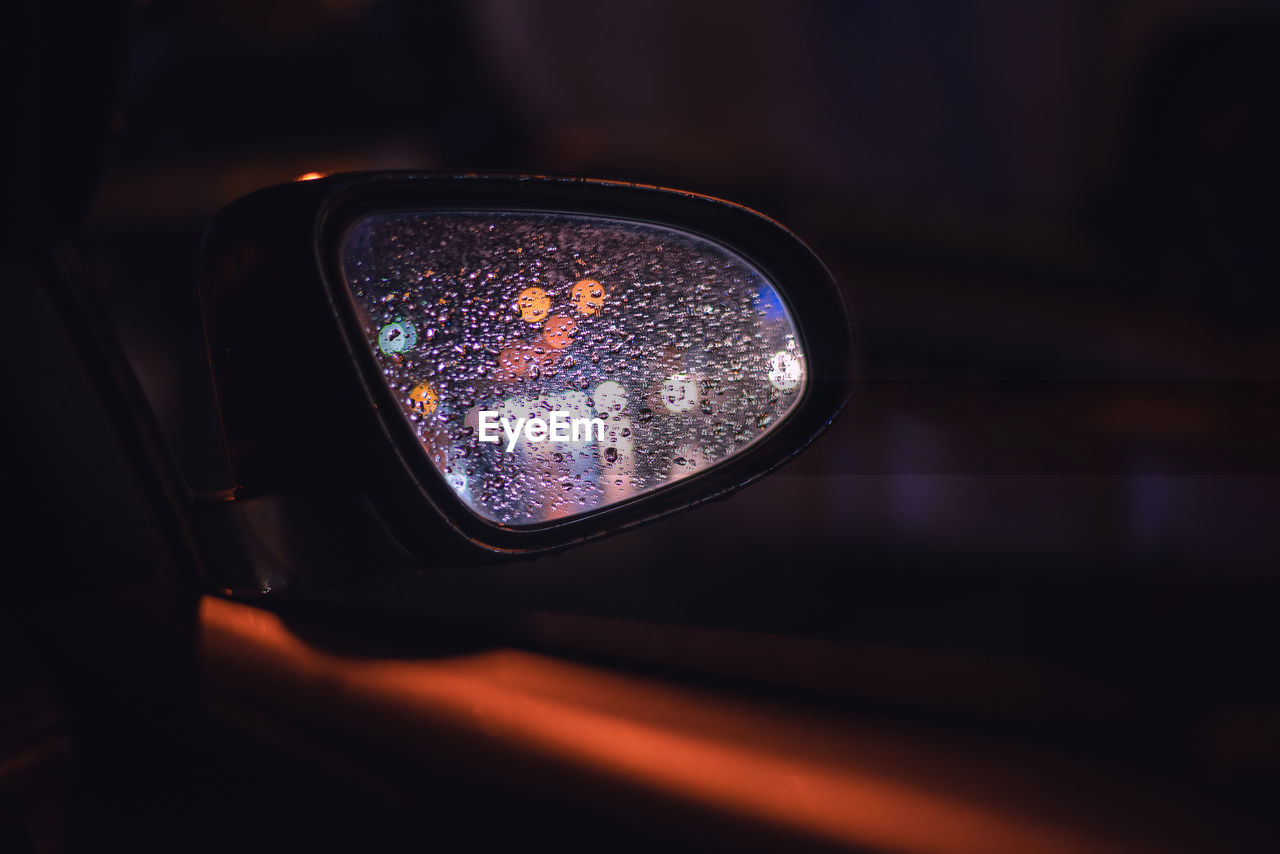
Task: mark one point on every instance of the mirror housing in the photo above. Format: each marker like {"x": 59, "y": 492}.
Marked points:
{"x": 308, "y": 390}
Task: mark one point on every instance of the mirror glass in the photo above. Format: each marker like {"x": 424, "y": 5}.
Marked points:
{"x": 555, "y": 364}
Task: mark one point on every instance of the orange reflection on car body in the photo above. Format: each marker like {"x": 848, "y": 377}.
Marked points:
{"x": 627, "y": 743}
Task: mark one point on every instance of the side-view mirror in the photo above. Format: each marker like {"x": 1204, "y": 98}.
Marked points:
{"x": 511, "y": 364}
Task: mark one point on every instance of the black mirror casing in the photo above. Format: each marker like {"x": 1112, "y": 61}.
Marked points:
{"x": 284, "y": 340}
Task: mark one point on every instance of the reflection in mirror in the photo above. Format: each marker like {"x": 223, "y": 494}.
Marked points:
{"x": 554, "y": 364}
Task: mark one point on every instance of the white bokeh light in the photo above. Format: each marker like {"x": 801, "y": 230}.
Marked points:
{"x": 786, "y": 370}
{"x": 680, "y": 393}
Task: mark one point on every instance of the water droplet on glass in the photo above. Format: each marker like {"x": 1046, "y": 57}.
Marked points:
{"x": 653, "y": 305}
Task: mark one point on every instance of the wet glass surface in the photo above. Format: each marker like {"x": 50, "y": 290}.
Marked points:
{"x": 553, "y": 364}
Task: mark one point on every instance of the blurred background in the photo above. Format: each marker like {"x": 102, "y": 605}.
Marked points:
{"x": 1052, "y": 504}
{"x": 1053, "y": 225}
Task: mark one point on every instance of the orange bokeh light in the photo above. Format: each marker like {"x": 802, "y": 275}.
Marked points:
{"x": 588, "y": 296}
{"x": 515, "y": 360}
{"x": 534, "y": 305}
{"x": 425, "y": 399}
{"x": 559, "y": 332}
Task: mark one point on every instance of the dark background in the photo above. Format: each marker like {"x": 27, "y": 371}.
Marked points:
{"x": 1055, "y": 228}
